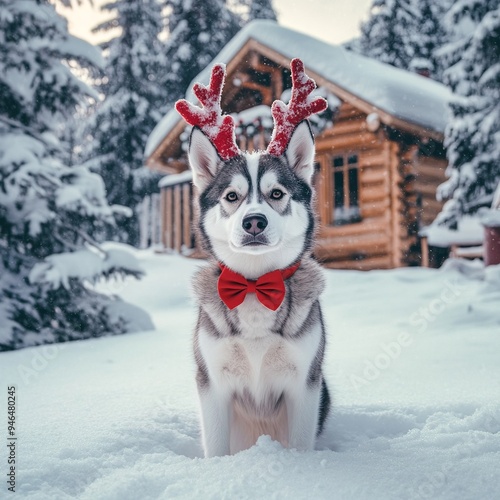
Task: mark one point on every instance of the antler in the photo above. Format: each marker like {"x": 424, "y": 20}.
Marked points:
{"x": 287, "y": 116}
{"x": 219, "y": 129}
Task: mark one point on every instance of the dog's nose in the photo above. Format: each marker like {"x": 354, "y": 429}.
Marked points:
{"x": 254, "y": 224}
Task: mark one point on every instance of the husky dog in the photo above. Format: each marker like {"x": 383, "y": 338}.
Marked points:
{"x": 258, "y": 353}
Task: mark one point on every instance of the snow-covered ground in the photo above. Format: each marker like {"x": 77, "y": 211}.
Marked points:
{"x": 413, "y": 364}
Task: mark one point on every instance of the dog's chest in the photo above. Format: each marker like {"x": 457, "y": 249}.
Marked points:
{"x": 253, "y": 363}
{"x": 258, "y": 356}
{"x": 255, "y": 320}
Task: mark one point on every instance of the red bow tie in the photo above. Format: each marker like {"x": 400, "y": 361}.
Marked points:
{"x": 269, "y": 288}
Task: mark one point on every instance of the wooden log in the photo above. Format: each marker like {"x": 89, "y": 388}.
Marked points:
{"x": 374, "y": 176}
{"x": 169, "y": 223}
{"x": 426, "y": 189}
{"x": 163, "y": 218}
{"x": 325, "y": 194}
{"x": 375, "y": 158}
{"x": 348, "y": 126}
{"x": 375, "y": 208}
{"x": 372, "y": 225}
{"x": 430, "y": 171}
{"x": 186, "y": 215}
{"x": 374, "y": 193}
{"x": 431, "y": 161}
{"x": 393, "y": 158}
{"x": 425, "y": 251}
{"x": 177, "y": 218}
{"x": 362, "y": 141}
{"x": 352, "y": 252}
{"x": 347, "y": 111}
{"x": 277, "y": 84}
{"x": 370, "y": 243}
{"x": 379, "y": 262}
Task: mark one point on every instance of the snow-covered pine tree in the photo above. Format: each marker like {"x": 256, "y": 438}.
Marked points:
{"x": 133, "y": 98}
{"x": 389, "y": 32}
{"x": 198, "y": 30}
{"x": 261, "y": 9}
{"x": 428, "y": 37}
{"x": 473, "y": 135}
{"x": 50, "y": 214}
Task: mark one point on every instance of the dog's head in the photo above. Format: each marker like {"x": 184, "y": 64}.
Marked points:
{"x": 255, "y": 208}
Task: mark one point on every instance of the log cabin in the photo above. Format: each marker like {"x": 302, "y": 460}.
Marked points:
{"x": 379, "y": 146}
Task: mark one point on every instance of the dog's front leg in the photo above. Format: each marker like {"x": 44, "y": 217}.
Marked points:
{"x": 215, "y": 416}
{"x": 302, "y": 405}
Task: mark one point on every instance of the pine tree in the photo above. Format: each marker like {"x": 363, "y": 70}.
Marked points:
{"x": 133, "y": 98}
{"x": 198, "y": 30}
{"x": 389, "y": 32}
{"x": 429, "y": 35}
{"x": 261, "y": 9}
{"x": 473, "y": 136}
{"x": 50, "y": 214}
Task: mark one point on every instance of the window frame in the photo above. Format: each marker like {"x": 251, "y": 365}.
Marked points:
{"x": 345, "y": 168}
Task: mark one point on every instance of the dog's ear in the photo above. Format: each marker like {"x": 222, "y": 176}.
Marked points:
{"x": 300, "y": 151}
{"x": 203, "y": 159}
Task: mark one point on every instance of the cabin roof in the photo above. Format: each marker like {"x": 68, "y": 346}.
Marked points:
{"x": 405, "y": 96}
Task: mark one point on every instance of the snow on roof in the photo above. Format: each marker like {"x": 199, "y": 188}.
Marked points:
{"x": 173, "y": 179}
{"x": 407, "y": 96}
{"x": 470, "y": 232}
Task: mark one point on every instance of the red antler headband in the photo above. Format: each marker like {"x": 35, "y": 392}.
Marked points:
{"x": 287, "y": 116}
{"x": 220, "y": 129}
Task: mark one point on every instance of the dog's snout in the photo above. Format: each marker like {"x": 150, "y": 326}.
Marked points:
{"x": 254, "y": 224}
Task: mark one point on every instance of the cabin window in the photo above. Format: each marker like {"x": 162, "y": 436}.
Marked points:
{"x": 345, "y": 184}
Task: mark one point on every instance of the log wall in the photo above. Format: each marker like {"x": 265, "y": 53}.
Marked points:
{"x": 429, "y": 173}
{"x": 370, "y": 243}
{"x": 177, "y": 217}
{"x": 397, "y": 197}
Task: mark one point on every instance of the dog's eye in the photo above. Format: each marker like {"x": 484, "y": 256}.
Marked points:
{"x": 277, "y": 194}
{"x": 231, "y": 197}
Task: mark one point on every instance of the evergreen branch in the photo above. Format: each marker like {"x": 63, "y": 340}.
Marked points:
{"x": 64, "y": 242}
{"x": 88, "y": 239}
{"x": 30, "y": 131}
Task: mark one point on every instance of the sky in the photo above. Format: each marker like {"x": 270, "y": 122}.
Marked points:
{"x": 334, "y": 21}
